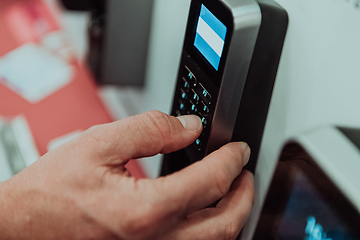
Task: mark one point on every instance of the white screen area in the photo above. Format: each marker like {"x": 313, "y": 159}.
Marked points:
{"x": 210, "y": 37}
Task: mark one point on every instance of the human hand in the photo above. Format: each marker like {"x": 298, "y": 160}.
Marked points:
{"x": 81, "y": 190}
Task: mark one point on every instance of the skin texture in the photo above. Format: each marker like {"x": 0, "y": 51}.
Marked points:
{"x": 81, "y": 190}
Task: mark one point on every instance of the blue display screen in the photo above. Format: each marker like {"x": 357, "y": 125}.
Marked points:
{"x": 309, "y": 216}
{"x": 210, "y": 37}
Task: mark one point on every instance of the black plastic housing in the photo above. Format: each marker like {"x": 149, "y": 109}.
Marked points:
{"x": 259, "y": 86}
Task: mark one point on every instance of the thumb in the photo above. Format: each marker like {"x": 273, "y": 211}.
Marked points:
{"x": 142, "y": 135}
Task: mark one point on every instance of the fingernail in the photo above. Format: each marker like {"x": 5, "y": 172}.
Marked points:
{"x": 191, "y": 122}
{"x": 246, "y": 154}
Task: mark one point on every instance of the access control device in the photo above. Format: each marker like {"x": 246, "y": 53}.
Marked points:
{"x": 218, "y": 71}
{"x": 219, "y": 43}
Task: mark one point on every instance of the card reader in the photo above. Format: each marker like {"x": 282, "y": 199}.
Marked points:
{"x": 217, "y": 69}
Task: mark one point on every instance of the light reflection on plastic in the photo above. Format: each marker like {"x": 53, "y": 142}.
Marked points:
{"x": 314, "y": 231}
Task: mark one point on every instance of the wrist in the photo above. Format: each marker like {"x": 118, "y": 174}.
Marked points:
{"x": 7, "y": 201}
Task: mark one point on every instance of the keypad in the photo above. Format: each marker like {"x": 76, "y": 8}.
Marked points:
{"x": 194, "y": 99}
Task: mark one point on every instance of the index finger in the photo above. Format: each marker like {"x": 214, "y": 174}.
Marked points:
{"x": 206, "y": 181}
{"x": 143, "y": 135}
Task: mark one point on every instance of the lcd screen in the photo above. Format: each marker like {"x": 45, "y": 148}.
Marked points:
{"x": 304, "y": 204}
{"x": 310, "y": 216}
{"x": 210, "y": 37}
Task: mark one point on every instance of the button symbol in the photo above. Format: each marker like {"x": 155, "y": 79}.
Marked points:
{"x": 186, "y": 85}
{"x": 205, "y": 93}
{"x": 203, "y": 120}
{"x": 206, "y": 109}
{"x": 183, "y": 95}
{"x": 196, "y": 97}
{"x": 190, "y": 76}
{"x": 193, "y": 107}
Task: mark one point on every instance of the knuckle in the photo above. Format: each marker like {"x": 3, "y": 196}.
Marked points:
{"x": 94, "y": 133}
{"x": 160, "y": 122}
{"x": 102, "y": 135}
{"x": 158, "y": 117}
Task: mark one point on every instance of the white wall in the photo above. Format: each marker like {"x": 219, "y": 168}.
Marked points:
{"x": 166, "y": 40}
{"x": 318, "y": 81}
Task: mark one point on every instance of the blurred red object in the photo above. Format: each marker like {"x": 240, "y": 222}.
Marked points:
{"x": 76, "y": 106}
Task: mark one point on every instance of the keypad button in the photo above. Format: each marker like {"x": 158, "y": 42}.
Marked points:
{"x": 183, "y": 95}
{"x": 189, "y": 76}
{"x": 203, "y": 93}
{"x": 198, "y": 144}
{"x": 181, "y": 107}
{"x": 194, "y": 108}
{"x": 205, "y": 109}
{"x": 204, "y": 121}
{"x": 186, "y": 85}
{"x": 195, "y": 97}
